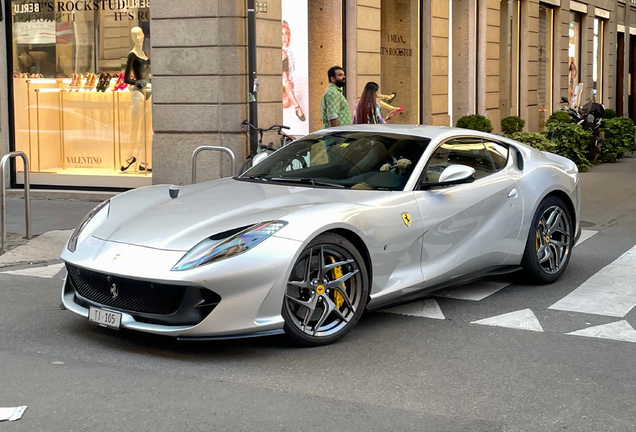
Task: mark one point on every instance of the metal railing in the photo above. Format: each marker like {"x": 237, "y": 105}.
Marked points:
{"x": 3, "y": 197}
{"x": 198, "y": 150}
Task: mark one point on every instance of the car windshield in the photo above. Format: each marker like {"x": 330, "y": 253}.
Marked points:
{"x": 355, "y": 160}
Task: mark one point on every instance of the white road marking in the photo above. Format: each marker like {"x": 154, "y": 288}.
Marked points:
{"x": 609, "y": 292}
{"x": 585, "y": 235}
{"x": 46, "y": 272}
{"x": 618, "y": 331}
{"x": 474, "y": 291}
{"x": 524, "y": 320}
{"x": 46, "y": 247}
{"x": 424, "y": 308}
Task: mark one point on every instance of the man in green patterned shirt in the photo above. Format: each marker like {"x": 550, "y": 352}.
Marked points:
{"x": 334, "y": 106}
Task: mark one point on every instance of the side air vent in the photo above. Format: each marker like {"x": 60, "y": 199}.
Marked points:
{"x": 519, "y": 160}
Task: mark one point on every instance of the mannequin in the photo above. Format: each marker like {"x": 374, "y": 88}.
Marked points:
{"x": 138, "y": 66}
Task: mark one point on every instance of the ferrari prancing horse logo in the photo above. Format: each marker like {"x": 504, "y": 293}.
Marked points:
{"x": 406, "y": 217}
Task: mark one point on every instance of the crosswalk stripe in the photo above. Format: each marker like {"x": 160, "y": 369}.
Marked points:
{"x": 609, "y": 292}
{"x": 46, "y": 272}
{"x": 428, "y": 308}
{"x": 523, "y": 319}
{"x": 585, "y": 235}
{"x": 618, "y": 331}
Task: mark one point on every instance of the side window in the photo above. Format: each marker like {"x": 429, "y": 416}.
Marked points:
{"x": 464, "y": 151}
{"x": 498, "y": 153}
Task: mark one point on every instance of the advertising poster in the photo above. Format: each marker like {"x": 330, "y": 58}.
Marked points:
{"x": 295, "y": 66}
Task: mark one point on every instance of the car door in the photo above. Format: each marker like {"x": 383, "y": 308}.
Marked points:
{"x": 468, "y": 227}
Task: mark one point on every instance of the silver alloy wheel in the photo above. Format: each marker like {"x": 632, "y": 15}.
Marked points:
{"x": 327, "y": 297}
{"x": 553, "y": 239}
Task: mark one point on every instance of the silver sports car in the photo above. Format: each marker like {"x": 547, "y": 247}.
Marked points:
{"x": 338, "y": 222}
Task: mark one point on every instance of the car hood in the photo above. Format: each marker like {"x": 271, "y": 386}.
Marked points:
{"x": 149, "y": 217}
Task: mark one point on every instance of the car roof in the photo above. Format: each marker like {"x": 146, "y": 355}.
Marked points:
{"x": 423, "y": 131}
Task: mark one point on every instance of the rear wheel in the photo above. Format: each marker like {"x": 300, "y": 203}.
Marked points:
{"x": 326, "y": 293}
{"x": 549, "y": 243}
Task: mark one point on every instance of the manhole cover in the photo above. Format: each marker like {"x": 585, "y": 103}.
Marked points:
{"x": 585, "y": 224}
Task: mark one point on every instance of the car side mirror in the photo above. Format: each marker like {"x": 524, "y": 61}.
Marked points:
{"x": 452, "y": 175}
{"x": 259, "y": 158}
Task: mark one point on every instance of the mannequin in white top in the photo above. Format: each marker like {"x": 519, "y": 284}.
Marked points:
{"x": 137, "y": 74}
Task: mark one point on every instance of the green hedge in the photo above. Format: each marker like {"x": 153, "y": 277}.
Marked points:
{"x": 559, "y": 117}
{"x": 571, "y": 141}
{"x": 475, "y": 122}
{"x": 609, "y": 114}
{"x": 512, "y": 124}
{"x": 533, "y": 139}
{"x": 619, "y": 138}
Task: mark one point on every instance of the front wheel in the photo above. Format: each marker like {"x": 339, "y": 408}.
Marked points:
{"x": 326, "y": 293}
{"x": 549, "y": 243}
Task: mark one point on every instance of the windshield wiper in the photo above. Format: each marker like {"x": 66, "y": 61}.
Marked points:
{"x": 306, "y": 181}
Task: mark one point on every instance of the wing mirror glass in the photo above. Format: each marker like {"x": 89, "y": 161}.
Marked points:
{"x": 452, "y": 175}
{"x": 259, "y": 158}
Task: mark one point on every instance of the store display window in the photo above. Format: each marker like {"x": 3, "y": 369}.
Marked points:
{"x": 400, "y": 59}
{"x": 597, "y": 60}
{"x": 574, "y": 51}
{"x": 82, "y": 92}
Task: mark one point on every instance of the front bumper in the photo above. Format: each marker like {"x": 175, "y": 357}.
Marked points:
{"x": 242, "y": 296}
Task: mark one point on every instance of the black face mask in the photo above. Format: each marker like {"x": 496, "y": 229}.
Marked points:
{"x": 340, "y": 83}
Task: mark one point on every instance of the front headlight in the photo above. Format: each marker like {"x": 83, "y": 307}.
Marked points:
{"x": 72, "y": 243}
{"x": 206, "y": 252}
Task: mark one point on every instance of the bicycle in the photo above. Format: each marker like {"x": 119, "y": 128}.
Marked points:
{"x": 266, "y": 150}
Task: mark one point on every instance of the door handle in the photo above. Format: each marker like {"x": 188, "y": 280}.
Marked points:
{"x": 513, "y": 193}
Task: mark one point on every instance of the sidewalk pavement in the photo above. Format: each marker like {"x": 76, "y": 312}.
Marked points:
{"x": 606, "y": 190}
{"x": 52, "y": 222}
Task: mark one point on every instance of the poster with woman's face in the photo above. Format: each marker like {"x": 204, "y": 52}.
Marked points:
{"x": 295, "y": 58}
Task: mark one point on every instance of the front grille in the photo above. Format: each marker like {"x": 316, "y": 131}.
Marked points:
{"x": 126, "y": 294}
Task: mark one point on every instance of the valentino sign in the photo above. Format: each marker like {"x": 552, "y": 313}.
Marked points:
{"x": 65, "y": 10}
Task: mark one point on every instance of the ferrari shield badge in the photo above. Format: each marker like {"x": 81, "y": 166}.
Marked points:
{"x": 406, "y": 217}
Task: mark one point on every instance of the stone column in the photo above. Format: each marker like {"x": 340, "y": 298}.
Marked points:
{"x": 199, "y": 80}
{"x": 528, "y": 106}
{"x": 368, "y": 62}
{"x": 609, "y": 60}
{"x": 488, "y": 88}
{"x": 269, "y": 68}
{"x": 325, "y": 51}
{"x": 438, "y": 88}
{"x": 464, "y": 58}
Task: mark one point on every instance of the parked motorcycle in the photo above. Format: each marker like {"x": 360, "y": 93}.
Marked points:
{"x": 590, "y": 117}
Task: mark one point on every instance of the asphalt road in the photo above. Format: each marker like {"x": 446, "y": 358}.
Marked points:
{"x": 392, "y": 373}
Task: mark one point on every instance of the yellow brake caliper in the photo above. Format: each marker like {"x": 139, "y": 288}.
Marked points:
{"x": 337, "y": 273}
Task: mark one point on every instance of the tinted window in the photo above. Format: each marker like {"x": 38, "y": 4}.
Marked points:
{"x": 357, "y": 160}
{"x": 463, "y": 151}
{"x": 498, "y": 154}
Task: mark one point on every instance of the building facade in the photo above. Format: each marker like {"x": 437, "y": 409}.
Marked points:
{"x": 186, "y": 67}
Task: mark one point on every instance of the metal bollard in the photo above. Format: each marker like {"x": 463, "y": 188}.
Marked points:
{"x": 212, "y": 148}
{"x": 3, "y": 195}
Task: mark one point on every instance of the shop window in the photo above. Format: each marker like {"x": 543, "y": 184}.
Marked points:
{"x": 400, "y": 56}
{"x": 597, "y": 60}
{"x": 546, "y": 68}
{"x": 79, "y": 119}
{"x": 574, "y": 54}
